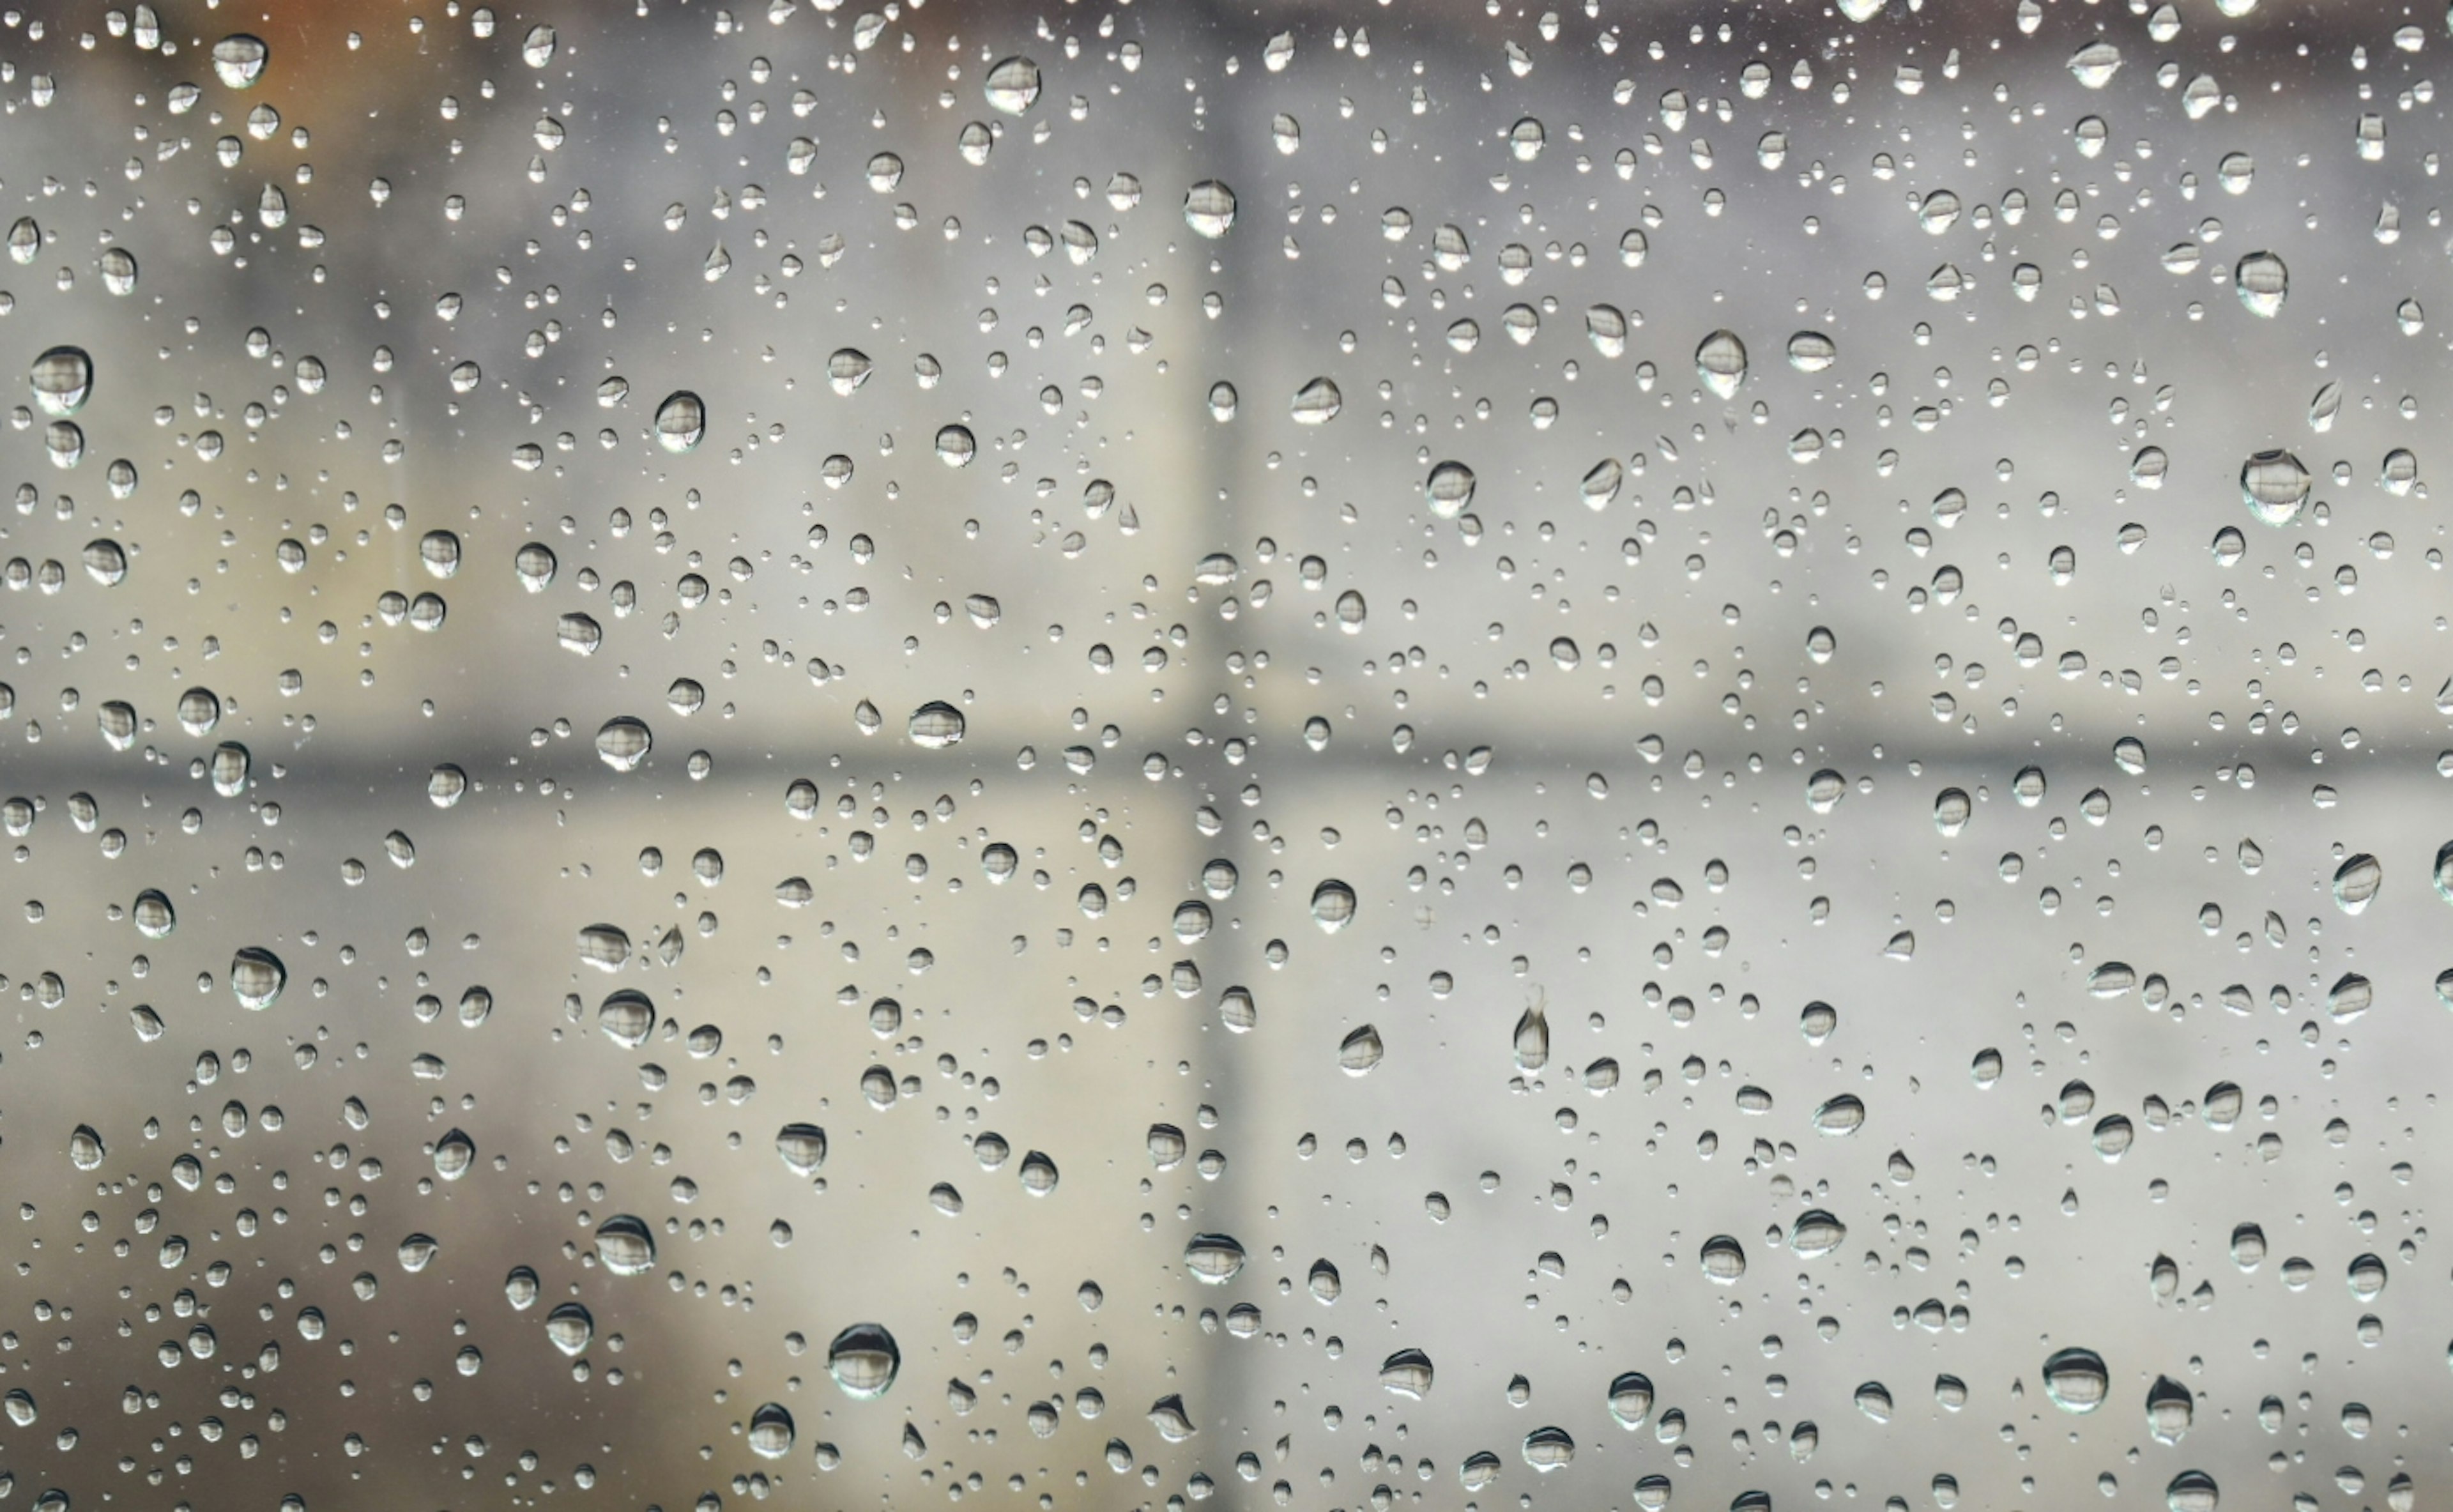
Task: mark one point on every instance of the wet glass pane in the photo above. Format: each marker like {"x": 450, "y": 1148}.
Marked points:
{"x": 1328, "y": 755}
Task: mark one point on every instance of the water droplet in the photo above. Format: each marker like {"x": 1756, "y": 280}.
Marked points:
{"x": 803, "y": 1147}
{"x": 626, "y": 1018}
{"x": 239, "y": 60}
{"x": 626, "y": 1245}
{"x": 2095, "y": 64}
{"x": 1725, "y": 1260}
{"x": 1360, "y": 1051}
{"x": 1824, "y": 789}
{"x": 2111, "y": 979}
{"x": 622, "y": 743}
{"x": 1318, "y": 402}
{"x": 62, "y": 379}
{"x": 84, "y": 1148}
{"x": 154, "y": 914}
{"x": 537, "y": 48}
{"x": 416, "y": 1252}
{"x": 2170, "y": 1409}
{"x": 1720, "y": 362}
{"x": 1602, "y": 483}
{"x": 1012, "y": 85}
{"x": 1532, "y": 1040}
{"x": 569, "y": 1325}
{"x": 1951, "y": 808}
{"x": 681, "y": 422}
{"x": 935, "y": 726}
{"x": 1812, "y": 351}
{"x": 1841, "y": 1115}
{"x": 1332, "y": 906}
{"x": 1212, "y": 1258}
{"x": 1408, "y": 1373}
{"x": 453, "y": 1154}
{"x": 1450, "y": 489}
{"x": 2192, "y": 1490}
{"x": 1630, "y": 1399}
{"x": 1816, "y": 1232}
{"x": 1548, "y": 1449}
{"x": 2262, "y": 283}
{"x": 257, "y": 977}
{"x": 863, "y": 1360}
{"x": 956, "y": 445}
{"x": 1874, "y": 1400}
{"x": 1209, "y": 207}
{"x": 2076, "y": 1379}
{"x": 2356, "y": 883}
{"x": 2275, "y": 485}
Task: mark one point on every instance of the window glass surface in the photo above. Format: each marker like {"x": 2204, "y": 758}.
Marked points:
{"x": 1337, "y": 755}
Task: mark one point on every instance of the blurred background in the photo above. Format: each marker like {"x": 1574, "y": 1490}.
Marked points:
{"x": 1166, "y": 700}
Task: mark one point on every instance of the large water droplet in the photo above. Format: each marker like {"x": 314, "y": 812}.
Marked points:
{"x": 1012, "y": 85}
{"x": 803, "y": 1147}
{"x": 1209, "y": 207}
{"x": 626, "y": 1245}
{"x": 62, "y": 379}
{"x": 864, "y": 1360}
{"x": 2275, "y": 485}
{"x": 2170, "y": 1409}
{"x": 622, "y": 743}
{"x": 1450, "y": 489}
{"x": 2095, "y": 64}
{"x": 2262, "y": 283}
{"x": 1408, "y": 1373}
{"x": 1720, "y": 362}
{"x": 1630, "y": 1399}
{"x": 1213, "y": 1258}
{"x": 2356, "y": 882}
{"x": 257, "y": 977}
{"x": 1332, "y": 906}
{"x": 935, "y": 726}
{"x": 680, "y": 421}
{"x": 626, "y": 1018}
{"x": 453, "y": 1154}
{"x": 239, "y": 60}
{"x": 1318, "y": 402}
{"x": 1723, "y": 1259}
{"x": 1360, "y": 1051}
{"x": 2076, "y": 1379}
{"x": 571, "y": 1327}
{"x": 770, "y": 1431}
{"x": 2192, "y": 1491}
{"x": 1548, "y": 1449}
{"x": 1816, "y": 1232}
{"x": 1812, "y": 351}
